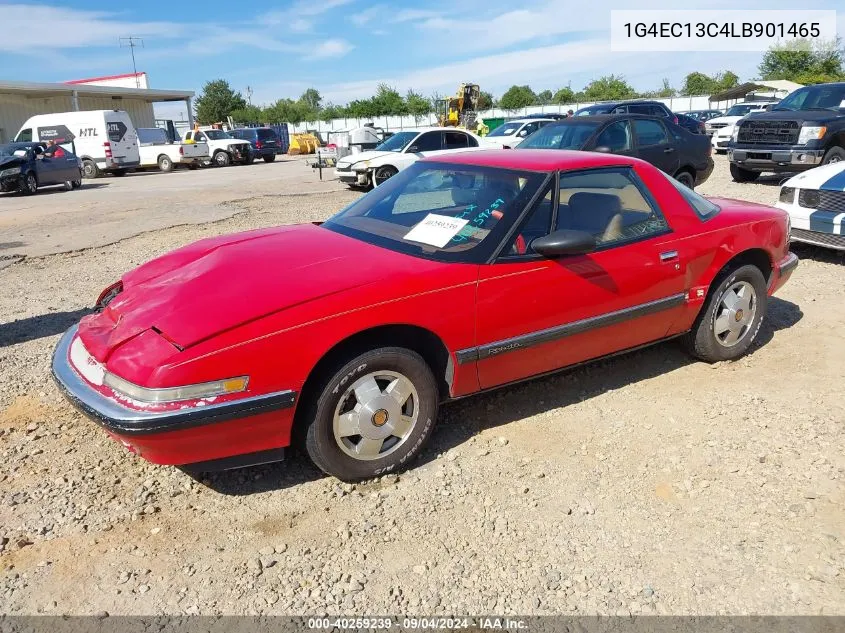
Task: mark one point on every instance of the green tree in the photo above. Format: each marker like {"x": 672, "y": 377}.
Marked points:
{"x": 216, "y": 102}
{"x": 312, "y": 99}
{"x": 517, "y": 97}
{"x": 697, "y": 83}
{"x": 564, "y": 96}
{"x": 726, "y": 80}
{"x": 485, "y": 100}
{"x": 417, "y": 105}
{"x": 609, "y": 88}
{"x": 388, "y": 102}
{"x": 804, "y": 62}
{"x": 331, "y": 111}
{"x": 545, "y": 97}
{"x": 248, "y": 114}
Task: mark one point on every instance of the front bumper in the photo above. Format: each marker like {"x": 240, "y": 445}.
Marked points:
{"x": 777, "y": 160}
{"x": 185, "y": 435}
{"x": 350, "y": 177}
{"x": 783, "y": 272}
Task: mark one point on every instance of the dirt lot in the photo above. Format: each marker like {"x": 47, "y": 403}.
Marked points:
{"x": 649, "y": 483}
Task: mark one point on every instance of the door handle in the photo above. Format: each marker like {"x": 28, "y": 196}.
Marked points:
{"x": 668, "y": 150}
{"x": 668, "y": 256}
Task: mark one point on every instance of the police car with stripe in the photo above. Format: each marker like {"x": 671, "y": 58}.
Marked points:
{"x": 815, "y": 201}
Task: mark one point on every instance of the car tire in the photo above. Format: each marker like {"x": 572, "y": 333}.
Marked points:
{"x": 28, "y": 184}
{"x": 743, "y": 175}
{"x": 380, "y": 174}
{"x": 90, "y": 169}
{"x": 221, "y": 159}
{"x": 270, "y": 158}
{"x": 193, "y": 166}
{"x": 723, "y": 329}
{"x": 359, "y": 392}
{"x": 165, "y": 164}
{"x": 75, "y": 184}
{"x": 120, "y": 173}
{"x": 686, "y": 179}
{"x": 834, "y": 155}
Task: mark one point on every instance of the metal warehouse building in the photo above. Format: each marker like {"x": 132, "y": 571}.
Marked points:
{"x": 20, "y": 100}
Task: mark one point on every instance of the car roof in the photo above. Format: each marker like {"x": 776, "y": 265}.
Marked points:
{"x": 601, "y": 118}
{"x": 531, "y": 120}
{"x": 534, "y": 159}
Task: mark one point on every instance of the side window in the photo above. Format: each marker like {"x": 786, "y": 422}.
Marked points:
{"x": 529, "y": 129}
{"x": 471, "y": 142}
{"x": 616, "y": 136}
{"x": 537, "y": 224}
{"x": 189, "y": 136}
{"x": 199, "y": 137}
{"x": 650, "y": 132}
{"x": 24, "y": 136}
{"x": 657, "y": 110}
{"x": 609, "y": 204}
{"x": 428, "y": 142}
{"x": 455, "y": 140}
{"x": 640, "y": 108}
{"x": 621, "y": 110}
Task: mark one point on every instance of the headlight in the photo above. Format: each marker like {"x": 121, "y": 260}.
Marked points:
{"x": 735, "y": 133}
{"x": 364, "y": 165}
{"x": 12, "y": 171}
{"x": 810, "y": 133}
{"x": 787, "y": 194}
{"x": 808, "y": 198}
{"x": 175, "y": 394}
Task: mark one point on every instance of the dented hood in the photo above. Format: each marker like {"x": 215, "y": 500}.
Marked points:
{"x": 217, "y": 284}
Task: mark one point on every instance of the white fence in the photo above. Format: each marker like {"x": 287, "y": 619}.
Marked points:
{"x": 393, "y": 123}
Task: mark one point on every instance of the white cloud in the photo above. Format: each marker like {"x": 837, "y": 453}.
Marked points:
{"x": 303, "y": 8}
{"x": 364, "y": 17}
{"x": 411, "y": 15}
{"x": 300, "y": 25}
{"x": 330, "y": 48}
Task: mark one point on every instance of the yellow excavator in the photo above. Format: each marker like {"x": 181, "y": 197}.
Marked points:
{"x": 459, "y": 111}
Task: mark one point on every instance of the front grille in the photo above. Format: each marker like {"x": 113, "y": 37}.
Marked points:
{"x": 717, "y": 126}
{"x": 832, "y": 201}
{"x": 770, "y": 132}
{"x": 821, "y": 239}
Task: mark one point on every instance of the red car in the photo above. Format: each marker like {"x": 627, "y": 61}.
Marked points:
{"x": 459, "y": 274}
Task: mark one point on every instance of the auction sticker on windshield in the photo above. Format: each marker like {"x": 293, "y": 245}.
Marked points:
{"x": 436, "y": 230}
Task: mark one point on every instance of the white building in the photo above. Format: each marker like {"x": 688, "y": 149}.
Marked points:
{"x": 19, "y": 100}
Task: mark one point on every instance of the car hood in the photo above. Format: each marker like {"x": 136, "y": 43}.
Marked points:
{"x": 368, "y": 155}
{"x": 214, "y": 285}
{"x": 810, "y": 116}
{"x": 829, "y": 177}
{"x": 10, "y": 161}
{"x": 730, "y": 120}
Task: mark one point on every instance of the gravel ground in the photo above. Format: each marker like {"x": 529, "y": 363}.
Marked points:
{"x": 649, "y": 483}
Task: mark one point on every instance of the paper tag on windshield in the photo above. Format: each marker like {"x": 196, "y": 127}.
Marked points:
{"x": 436, "y": 230}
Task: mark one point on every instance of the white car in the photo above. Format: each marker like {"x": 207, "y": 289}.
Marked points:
{"x": 399, "y": 151}
{"x": 815, "y": 202}
{"x": 223, "y": 148}
{"x": 721, "y": 128}
{"x": 511, "y": 133}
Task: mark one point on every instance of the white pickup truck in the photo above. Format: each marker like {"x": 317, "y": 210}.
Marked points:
{"x": 224, "y": 149}
{"x": 156, "y": 151}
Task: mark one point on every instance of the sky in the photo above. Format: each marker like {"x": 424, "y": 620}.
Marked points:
{"x": 345, "y": 48}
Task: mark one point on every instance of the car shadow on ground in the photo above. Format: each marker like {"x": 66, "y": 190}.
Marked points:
{"x": 39, "y": 326}
{"x": 51, "y": 189}
{"x": 463, "y": 419}
{"x": 817, "y": 253}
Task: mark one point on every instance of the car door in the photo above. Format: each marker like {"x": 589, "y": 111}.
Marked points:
{"x": 426, "y": 143}
{"x": 48, "y": 169}
{"x": 655, "y": 145}
{"x": 536, "y": 314}
{"x": 616, "y": 137}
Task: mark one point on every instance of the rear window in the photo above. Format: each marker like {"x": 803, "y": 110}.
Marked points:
{"x": 266, "y": 135}
{"x": 701, "y": 205}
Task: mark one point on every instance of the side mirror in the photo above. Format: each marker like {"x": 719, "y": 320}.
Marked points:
{"x": 523, "y": 133}
{"x": 413, "y": 149}
{"x": 604, "y": 149}
{"x": 564, "y": 242}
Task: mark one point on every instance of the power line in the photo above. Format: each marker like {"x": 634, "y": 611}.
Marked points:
{"x": 131, "y": 42}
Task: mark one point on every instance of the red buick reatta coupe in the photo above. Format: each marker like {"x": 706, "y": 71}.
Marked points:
{"x": 459, "y": 274}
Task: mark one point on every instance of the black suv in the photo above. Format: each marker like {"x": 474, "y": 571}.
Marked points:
{"x": 803, "y": 131}
{"x": 265, "y": 142}
{"x": 636, "y": 106}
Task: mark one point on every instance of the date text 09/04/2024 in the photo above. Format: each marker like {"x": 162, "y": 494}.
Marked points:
{"x": 726, "y": 29}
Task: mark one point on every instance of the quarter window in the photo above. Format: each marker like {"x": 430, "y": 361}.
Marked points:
{"x": 609, "y": 205}
{"x": 616, "y": 136}
{"x": 650, "y": 132}
{"x": 428, "y": 142}
{"x": 455, "y": 140}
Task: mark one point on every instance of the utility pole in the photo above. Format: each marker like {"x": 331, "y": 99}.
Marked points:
{"x": 131, "y": 42}
{"x": 249, "y": 94}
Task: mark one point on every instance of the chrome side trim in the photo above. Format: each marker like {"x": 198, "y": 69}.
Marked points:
{"x": 123, "y": 420}
{"x": 525, "y": 341}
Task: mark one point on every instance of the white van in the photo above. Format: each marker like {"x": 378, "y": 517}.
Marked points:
{"x": 105, "y": 140}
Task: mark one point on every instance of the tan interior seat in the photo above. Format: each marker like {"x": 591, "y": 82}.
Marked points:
{"x": 599, "y": 214}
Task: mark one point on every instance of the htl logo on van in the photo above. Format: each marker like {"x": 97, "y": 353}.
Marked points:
{"x": 88, "y": 131}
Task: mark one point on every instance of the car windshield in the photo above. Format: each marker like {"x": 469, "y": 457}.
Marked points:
{"x": 216, "y": 135}
{"x": 591, "y": 110}
{"x": 446, "y": 212}
{"x": 821, "y": 97}
{"x": 265, "y": 134}
{"x": 13, "y": 150}
{"x": 397, "y": 142}
{"x": 741, "y": 109}
{"x": 701, "y": 205}
{"x": 506, "y": 129}
{"x": 564, "y": 136}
